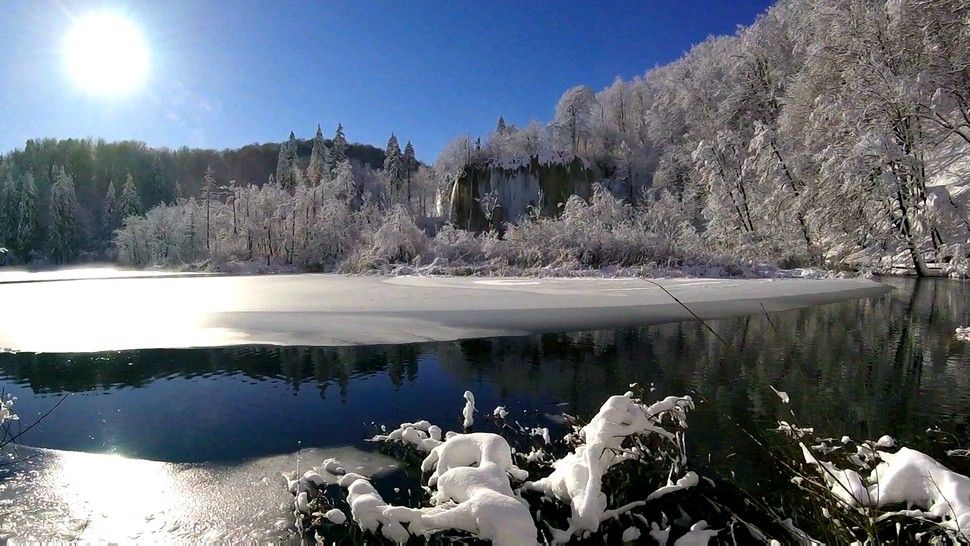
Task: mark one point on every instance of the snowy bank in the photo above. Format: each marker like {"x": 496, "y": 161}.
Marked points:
{"x": 314, "y": 309}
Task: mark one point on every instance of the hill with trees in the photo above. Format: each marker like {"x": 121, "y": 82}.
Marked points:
{"x": 111, "y": 180}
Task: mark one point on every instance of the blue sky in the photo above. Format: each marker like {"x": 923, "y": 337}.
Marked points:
{"x": 228, "y": 73}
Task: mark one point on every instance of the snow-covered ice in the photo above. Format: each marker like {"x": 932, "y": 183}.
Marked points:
{"x": 312, "y": 309}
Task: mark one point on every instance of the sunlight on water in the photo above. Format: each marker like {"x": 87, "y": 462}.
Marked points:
{"x": 116, "y": 495}
{"x": 75, "y": 496}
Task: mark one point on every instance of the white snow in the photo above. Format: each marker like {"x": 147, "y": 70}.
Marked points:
{"x": 963, "y": 333}
{"x": 500, "y": 412}
{"x": 7, "y": 414}
{"x": 577, "y": 478}
{"x": 781, "y": 394}
{"x": 913, "y": 478}
{"x": 698, "y": 535}
{"x": 472, "y": 493}
{"x": 689, "y": 480}
{"x": 908, "y": 478}
{"x": 336, "y": 516}
{"x": 468, "y": 413}
{"x": 630, "y": 534}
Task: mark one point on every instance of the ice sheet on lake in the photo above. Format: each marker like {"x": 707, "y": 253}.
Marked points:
{"x": 311, "y": 309}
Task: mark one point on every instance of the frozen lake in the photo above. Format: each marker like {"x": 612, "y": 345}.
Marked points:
{"x": 103, "y": 313}
{"x": 178, "y": 443}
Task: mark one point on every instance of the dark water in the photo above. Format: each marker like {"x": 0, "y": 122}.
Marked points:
{"x": 889, "y": 365}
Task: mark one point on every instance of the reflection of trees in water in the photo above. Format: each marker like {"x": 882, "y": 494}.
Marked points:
{"x": 298, "y": 366}
{"x": 885, "y": 365}
{"x": 868, "y": 367}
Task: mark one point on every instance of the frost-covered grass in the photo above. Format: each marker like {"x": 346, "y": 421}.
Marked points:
{"x": 623, "y": 477}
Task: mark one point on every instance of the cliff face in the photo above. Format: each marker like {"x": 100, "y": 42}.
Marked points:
{"x": 518, "y": 189}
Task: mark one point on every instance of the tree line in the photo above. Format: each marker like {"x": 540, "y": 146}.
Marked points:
{"x": 103, "y": 182}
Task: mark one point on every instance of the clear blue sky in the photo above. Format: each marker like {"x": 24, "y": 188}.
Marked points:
{"x": 228, "y": 73}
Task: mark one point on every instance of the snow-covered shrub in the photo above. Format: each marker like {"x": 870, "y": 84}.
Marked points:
{"x": 875, "y": 490}
{"x": 397, "y": 240}
{"x": 458, "y": 246}
{"x": 7, "y": 416}
{"x": 478, "y": 483}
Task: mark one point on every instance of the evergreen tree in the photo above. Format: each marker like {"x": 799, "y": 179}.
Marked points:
{"x": 26, "y": 216}
{"x": 130, "y": 203}
{"x": 502, "y": 127}
{"x": 317, "y": 170}
{"x": 9, "y": 201}
{"x": 156, "y": 183}
{"x": 339, "y": 149}
{"x": 63, "y": 218}
{"x": 393, "y": 164}
{"x": 287, "y": 171}
{"x": 109, "y": 212}
{"x": 410, "y": 167}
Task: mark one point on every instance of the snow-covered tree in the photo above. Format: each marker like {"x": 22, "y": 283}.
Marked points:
{"x": 287, "y": 169}
{"x": 343, "y": 187}
{"x": 130, "y": 203}
{"x": 393, "y": 165}
{"x": 9, "y": 202}
{"x": 157, "y": 183}
{"x": 26, "y": 216}
{"x": 573, "y": 114}
{"x": 410, "y": 167}
{"x": 316, "y": 170}
{"x": 62, "y": 229}
{"x": 208, "y": 190}
{"x": 109, "y": 211}
{"x": 338, "y": 149}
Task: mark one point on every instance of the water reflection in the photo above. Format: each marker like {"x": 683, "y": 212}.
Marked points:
{"x": 866, "y": 368}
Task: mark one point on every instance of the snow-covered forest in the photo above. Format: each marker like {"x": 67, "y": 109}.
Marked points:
{"x": 828, "y": 133}
{"x": 104, "y": 182}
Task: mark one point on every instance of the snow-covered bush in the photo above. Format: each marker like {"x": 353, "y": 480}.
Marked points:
{"x": 7, "y": 416}
{"x": 875, "y": 490}
{"x": 480, "y": 484}
{"x": 398, "y": 239}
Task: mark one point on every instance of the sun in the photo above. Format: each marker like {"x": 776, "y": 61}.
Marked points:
{"x": 106, "y": 54}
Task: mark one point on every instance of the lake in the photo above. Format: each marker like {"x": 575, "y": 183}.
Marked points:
{"x": 236, "y": 416}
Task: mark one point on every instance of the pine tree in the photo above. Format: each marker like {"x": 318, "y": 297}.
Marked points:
{"x": 393, "y": 164}
{"x": 109, "y": 212}
{"x": 9, "y": 201}
{"x": 501, "y": 125}
{"x": 156, "y": 184}
{"x": 410, "y": 164}
{"x": 338, "y": 149}
{"x": 63, "y": 217}
{"x": 317, "y": 170}
{"x": 26, "y": 216}
{"x": 130, "y": 203}
{"x": 287, "y": 171}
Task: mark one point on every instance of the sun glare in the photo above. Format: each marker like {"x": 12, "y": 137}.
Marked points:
{"x": 106, "y": 54}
